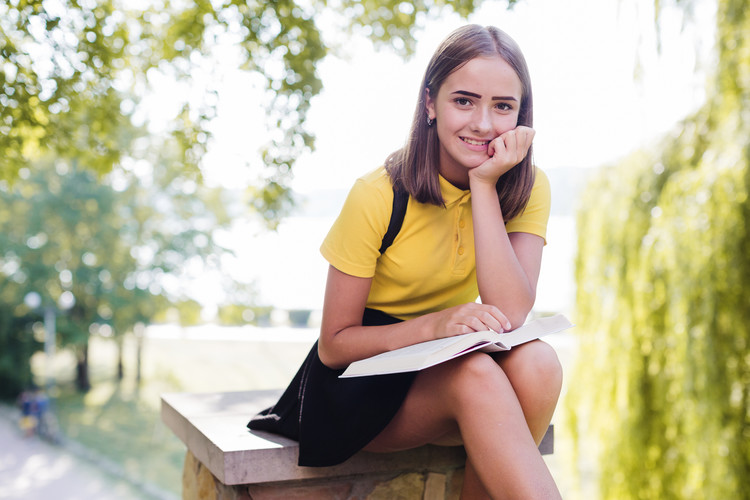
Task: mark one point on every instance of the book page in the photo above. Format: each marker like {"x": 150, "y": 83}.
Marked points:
{"x": 427, "y": 348}
{"x": 535, "y": 329}
{"x": 422, "y": 355}
{"x": 432, "y": 352}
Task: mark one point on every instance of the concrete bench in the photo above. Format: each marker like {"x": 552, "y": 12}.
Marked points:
{"x": 226, "y": 461}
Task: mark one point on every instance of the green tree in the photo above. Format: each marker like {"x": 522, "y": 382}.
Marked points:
{"x": 67, "y": 230}
{"x": 72, "y": 72}
{"x": 101, "y": 257}
{"x": 662, "y": 271}
{"x": 17, "y": 344}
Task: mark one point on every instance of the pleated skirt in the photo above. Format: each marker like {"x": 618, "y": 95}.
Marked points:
{"x": 334, "y": 418}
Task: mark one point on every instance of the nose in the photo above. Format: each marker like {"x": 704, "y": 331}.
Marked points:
{"x": 481, "y": 121}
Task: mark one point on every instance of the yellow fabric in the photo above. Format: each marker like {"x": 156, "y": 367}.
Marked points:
{"x": 431, "y": 264}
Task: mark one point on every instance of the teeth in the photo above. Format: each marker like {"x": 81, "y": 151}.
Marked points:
{"x": 475, "y": 143}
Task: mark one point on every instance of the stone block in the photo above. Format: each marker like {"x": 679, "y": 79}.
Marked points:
{"x": 226, "y": 461}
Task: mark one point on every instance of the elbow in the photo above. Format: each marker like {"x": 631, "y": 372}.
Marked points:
{"x": 519, "y": 314}
{"x": 328, "y": 356}
{"x": 517, "y": 320}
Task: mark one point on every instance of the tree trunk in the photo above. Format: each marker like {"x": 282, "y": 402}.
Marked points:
{"x": 82, "y": 368}
{"x": 120, "y": 369}
{"x": 139, "y": 354}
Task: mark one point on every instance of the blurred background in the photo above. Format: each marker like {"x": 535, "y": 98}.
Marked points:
{"x": 169, "y": 170}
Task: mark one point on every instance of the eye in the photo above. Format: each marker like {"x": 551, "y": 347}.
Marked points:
{"x": 462, "y": 101}
{"x": 504, "y": 106}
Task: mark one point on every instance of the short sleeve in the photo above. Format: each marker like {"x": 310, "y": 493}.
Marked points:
{"x": 353, "y": 242}
{"x": 535, "y": 216}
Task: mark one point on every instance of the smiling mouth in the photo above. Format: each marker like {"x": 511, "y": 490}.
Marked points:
{"x": 474, "y": 142}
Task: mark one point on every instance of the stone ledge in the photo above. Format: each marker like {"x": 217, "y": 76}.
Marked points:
{"x": 213, "y": 427}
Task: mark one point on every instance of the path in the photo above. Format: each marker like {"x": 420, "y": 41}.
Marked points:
{"x": 33, "y": 469}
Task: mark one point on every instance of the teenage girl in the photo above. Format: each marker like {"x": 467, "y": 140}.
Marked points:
{"x": 474, "y": 227}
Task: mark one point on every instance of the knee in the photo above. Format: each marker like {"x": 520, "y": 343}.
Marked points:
{"x": 536, "y": 363}
{"x": 476, "y": 373}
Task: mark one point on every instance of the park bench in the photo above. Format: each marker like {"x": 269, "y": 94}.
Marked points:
{"x": 226, "y": 461}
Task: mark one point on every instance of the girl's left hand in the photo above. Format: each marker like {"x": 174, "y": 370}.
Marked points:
{"x": 505, "y": 151}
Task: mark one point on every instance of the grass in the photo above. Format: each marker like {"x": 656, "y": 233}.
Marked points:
{"x": 120, "y": 422}
{"x": 121, "y": 428}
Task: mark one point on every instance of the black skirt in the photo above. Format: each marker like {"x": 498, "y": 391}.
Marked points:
{"x": 334, "y": 418}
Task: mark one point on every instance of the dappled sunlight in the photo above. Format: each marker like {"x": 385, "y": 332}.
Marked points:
{"x": 145, "y": 154}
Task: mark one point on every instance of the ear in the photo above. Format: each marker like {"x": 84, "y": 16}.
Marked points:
{"x": 429, "y": 104}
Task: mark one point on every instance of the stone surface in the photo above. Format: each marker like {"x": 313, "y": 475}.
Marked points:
{"x": 404, "y": 487}
{"x": 434, "y": 487}
{"x": 226, "y": 461}
{"x": 213, "y": 427}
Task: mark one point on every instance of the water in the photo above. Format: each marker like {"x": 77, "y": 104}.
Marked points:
{"x": 290, "y": 273}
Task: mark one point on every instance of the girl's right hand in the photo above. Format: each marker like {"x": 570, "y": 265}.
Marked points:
{"x": 467, "y": 318}
{"x": 505, "y": 152}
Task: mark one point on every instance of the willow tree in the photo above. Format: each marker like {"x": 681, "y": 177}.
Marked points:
{"x": 662, "y": 271}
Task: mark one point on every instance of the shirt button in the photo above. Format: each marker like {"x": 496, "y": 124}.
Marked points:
{"x": 462, "y": 224}
{"x": 460, "y": 250}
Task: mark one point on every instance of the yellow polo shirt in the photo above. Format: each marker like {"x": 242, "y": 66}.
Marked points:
{"x": 431, "y": 265}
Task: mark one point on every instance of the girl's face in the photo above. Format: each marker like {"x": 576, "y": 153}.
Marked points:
{"x": 475, "y": 104}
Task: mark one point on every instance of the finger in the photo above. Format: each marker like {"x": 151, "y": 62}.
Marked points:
{"x": 528, "y": 139}
{"x": 491, "y": 322}
{"x": 459, "y": 329}
{"x": 498, "y": 145}
{"x": 525, "y": 129}
{"x": 510, "y": 140}
{"x": 474, "y": 317}
{"x": 500, "y": 317}
{"x": 525, "y": 138}
{"x": 476, "y": 324}
{"x": 482, "y": 320}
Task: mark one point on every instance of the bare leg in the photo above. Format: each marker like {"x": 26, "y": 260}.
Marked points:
{"x": 536, "y": 376}
{"x": 473, "y": 489}
{"x": 471, "y": 399}
{"x": 535, "y": 373}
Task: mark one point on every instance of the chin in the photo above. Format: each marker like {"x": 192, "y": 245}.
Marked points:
{"x": 476, "y": 163}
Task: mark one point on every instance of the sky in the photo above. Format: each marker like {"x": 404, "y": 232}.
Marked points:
{"x": 601, "y": 90}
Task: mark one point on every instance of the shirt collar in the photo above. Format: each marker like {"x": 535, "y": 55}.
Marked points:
{"x": 452, "y": 194}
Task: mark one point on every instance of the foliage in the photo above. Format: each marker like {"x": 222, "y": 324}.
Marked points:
{"x": 183, "y": 313}
{"x": 104, "y": 259}
{"x": 73, "y": 72}
{"x": 240, "y": 314}
{"x": 662, "y": 272}
{"x": 120, "y": 215}
{"x": 17, "y": 342}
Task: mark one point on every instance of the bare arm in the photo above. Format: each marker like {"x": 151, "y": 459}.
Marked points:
{"x": 343, "y": 339}
{"x": 508, "y": 265}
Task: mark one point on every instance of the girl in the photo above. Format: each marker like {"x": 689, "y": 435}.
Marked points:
{"x": 474, "y": 226}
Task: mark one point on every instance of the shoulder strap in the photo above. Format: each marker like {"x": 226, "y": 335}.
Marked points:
{"x": 400, "y": 200}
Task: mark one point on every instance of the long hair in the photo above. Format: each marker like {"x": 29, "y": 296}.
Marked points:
{"x": 416, "y": 166}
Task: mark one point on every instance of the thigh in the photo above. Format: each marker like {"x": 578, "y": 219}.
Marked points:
{"x": 429, "y": 413}
{"x": 422, "y": 418}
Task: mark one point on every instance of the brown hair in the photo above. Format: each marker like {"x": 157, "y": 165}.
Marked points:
{"x": 415, "y": 167}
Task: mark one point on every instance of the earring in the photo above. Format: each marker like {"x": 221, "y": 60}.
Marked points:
{"x": 429, "y": 121}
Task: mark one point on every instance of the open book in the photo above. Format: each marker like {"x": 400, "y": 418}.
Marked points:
{"x": 425, "y": 354}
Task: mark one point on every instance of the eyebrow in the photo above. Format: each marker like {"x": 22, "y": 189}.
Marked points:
{"x": 477, "y": 96}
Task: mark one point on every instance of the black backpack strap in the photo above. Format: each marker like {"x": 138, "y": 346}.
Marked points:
{"x": 400, "y": 200}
